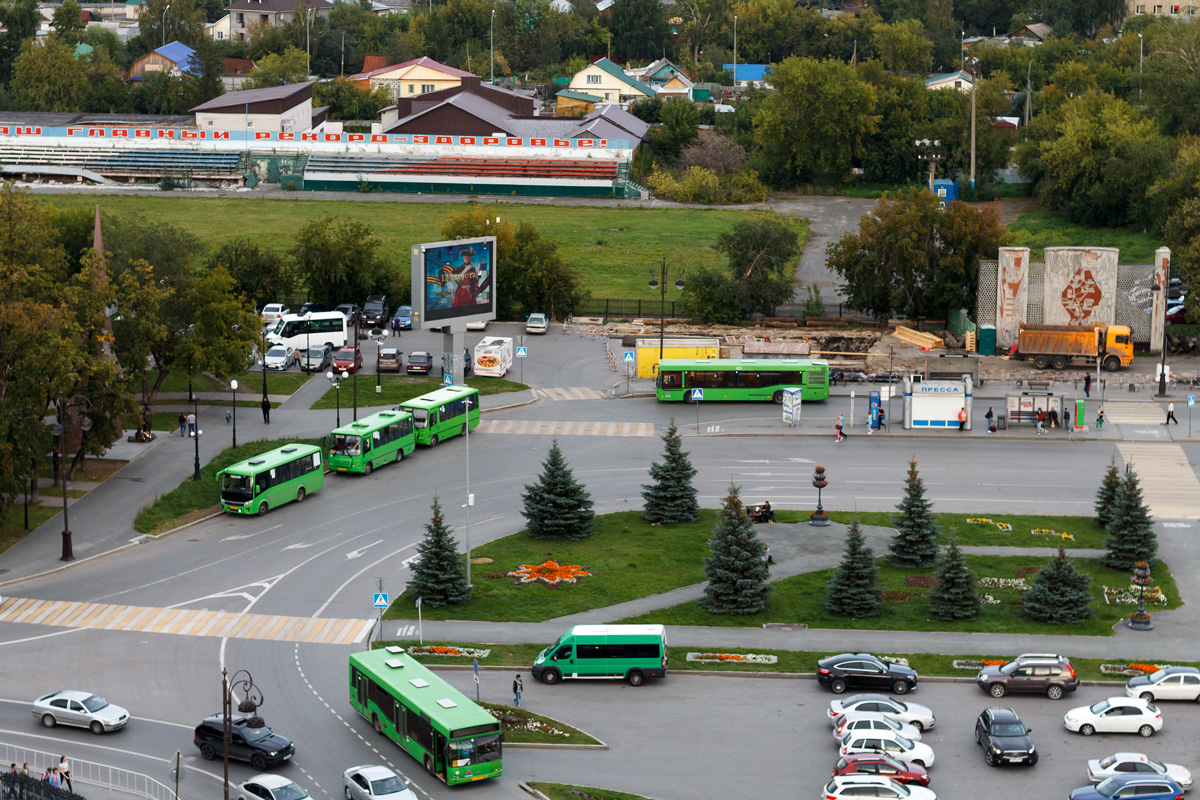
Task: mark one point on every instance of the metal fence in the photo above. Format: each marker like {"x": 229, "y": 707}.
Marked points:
{"x": 88, "y": 773}
{"x": 615, "y": 308}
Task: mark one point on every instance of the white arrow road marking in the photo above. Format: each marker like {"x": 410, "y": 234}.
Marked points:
{"x": 297, "y": 546}
{"x": 409, "y": 560}
{"x": 361, "y": 550}
{"x": 248, "y": 535}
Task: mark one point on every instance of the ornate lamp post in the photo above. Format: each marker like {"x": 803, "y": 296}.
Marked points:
{"x": 1140, "y": 621}
{"x": 196, "y": 436}
{"x": 1162, "y": 367}
{"x": 252, "y": 699}
{"x": 262, "y": 354}
{"x": 660, "y": 283}
{"x": 379, "y": 336}
{"x": 336, "y": 380}
{"x": 819, "y": 518}
{"x": 233, "y": 386}
{"x": 58, "y": 428}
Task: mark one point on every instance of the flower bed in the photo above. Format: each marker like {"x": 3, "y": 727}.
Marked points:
{"x": 439, "y": 650}
{"x": 1128, "y": 595}
{"x": 988, "y": 600}
{"x": 894, "y": 660}
{"x": 970, "y": 663}
{"x": 1004, "y": 526}
{"x": 1131, "y": 669}
{"x": 899, "y": 597}
{"x": 1047, "y": 532}
{"x": 549, "y": 572}
{"x": 514, "y": 721}
{"x": 1016, "y": 584}
{"x": 921, "y": 580}
{"x": 736, "y": 658}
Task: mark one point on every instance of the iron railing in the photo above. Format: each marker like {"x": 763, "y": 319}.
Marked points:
{"x": 88, "y": 773}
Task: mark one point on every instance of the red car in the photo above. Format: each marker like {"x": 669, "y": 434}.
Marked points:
{"x": 881, "y": 764}
{"x": 346, "y": 360}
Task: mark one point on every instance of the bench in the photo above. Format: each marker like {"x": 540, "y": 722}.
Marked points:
{"x": 755, "y": 512}
{"x": 1036, "y": 384}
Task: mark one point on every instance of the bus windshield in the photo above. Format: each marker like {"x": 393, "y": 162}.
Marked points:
{"x": 479, "y": 750}
{"x": 236, "y": 485}
{"x": 420, "y": 417}
{"x": 347, "y": 445}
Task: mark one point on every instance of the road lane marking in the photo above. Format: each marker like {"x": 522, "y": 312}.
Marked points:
{"x": 536, "y": 428}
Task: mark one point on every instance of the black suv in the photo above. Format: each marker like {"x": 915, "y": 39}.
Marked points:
{"x": 375, "y": 312}
{"x": 1042, "y": 673}
{"x": 864, "y": 671}
{"x": 310, "y": 308}
{"x": 262, "y": 747}
{"x": 1004, "y": 738}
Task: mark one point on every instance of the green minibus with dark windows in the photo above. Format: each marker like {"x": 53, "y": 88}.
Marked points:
{"x": 632, "y": 652}
{"x": 278, "y": 476}
{"x": 441, "y": 414}
{"x": 371, "y": 442}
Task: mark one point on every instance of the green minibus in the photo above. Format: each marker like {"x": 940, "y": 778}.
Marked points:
{"x": 632, "y": 652}
{"x": 456, "y": 740}
{"x": 371, "y": 442}
{"x": 441, "y": 414}
{"x": 269, "y": 480}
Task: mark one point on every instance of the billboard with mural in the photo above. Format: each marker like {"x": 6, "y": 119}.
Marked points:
{"x": 454, "y": 280}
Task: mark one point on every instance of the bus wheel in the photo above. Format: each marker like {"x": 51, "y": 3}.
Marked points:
{"x": 367, "y": 469}
{"x": 301, "y": 494}
{"x": 376, "y": 723}
{"x": 399, "y": 455}
{"x": 550, "y": 677}
{"x": 433, "y": 441}
{"x": 777, "y": 398}
{"x": 429, "y": 765}
{"x": 262, "y": 508}
{"x": 463, "y": 430}
{"x": 635, "y": 677}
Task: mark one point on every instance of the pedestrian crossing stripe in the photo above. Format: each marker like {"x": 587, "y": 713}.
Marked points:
{"x": 183, "y": 621}
{"x": 1169, "y": 485}
{"x": 572, "y": 393}
{"x": 530, "y": 427}
{"x": 1134, "y": 413}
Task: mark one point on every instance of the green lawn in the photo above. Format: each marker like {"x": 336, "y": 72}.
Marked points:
{"x": 614, "y": 247}
{"x": 567, "y": 791}
{"x": 1040, "y": 229}
{"x": 277, "y": 382}
{"x": 800, "y": 600}
{"x": 168, "y": 421}
{"x": 521, "y": 656}
{"x": 177, "y": 381}
{"x": 628, "y": 558}
{"x": 1087, "y": 533}
{"x": 12, "y": 521}
{"x": 521, "y": 726}
{"x": 193, "y": 497}
{"x": 398, "y": 388}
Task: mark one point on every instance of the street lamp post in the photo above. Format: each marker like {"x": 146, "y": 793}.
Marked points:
{"x": 336, "y": 380}
{"x": 470, "y": 499}
{"x": 379, "y": 336}
{"x": 492, "y": 46}
{"x": 819, "y": 518}
{"x": 307, "y": 340}
{"x": 262, "y": 355}
{"x": 251, "y": 702}
{"x": 357, "y": 361}
{"x": 233, "y": 386}
{"x": 1162, "y": 367}
{"x": 168, "y": 8}
{"x": 660, "y": 283}
{"x": 1140, "y": 42}
{"x": 59, "y": 429}
{"x": 930, "y": 151}
{"x": 735, "y": 54}
{"x": 196, "y": 435}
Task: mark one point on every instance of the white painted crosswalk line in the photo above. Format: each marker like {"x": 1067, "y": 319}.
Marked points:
{"x": 1169, "y": 485}
{"x": 535, "y": 428}
{"x": 1134, "y": 413}
{"x": 572, "y": 393}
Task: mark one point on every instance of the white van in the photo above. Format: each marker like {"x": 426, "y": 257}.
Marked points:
{"x": 493, "y": 356}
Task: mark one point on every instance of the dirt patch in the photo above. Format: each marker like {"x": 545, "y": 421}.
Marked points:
{"x": 93, "y": 470}
{"x": 481, "y": 560}
{"x": 186, "y": 518}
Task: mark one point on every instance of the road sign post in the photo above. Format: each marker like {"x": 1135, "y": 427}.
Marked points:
{"x": 380, "y": 601}
{"x": 697, "y": 396}
{"x": 476, "y": 667}
{"x": 447, "y": 380}
{"x": 628, "y": 359}
{"x": 522, "y": 353}
{"x": 420, "y": 626}
{"x": 1191, "y": 402}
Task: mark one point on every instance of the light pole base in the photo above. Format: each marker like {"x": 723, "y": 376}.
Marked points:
{"x": 68, "y": 552}
{"x": 819, "y": 519}
{"x": 1140, "y": 624}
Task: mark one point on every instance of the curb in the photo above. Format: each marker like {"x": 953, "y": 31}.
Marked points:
{"x": 525, "y": 787}
{"x": 533, "y": 399}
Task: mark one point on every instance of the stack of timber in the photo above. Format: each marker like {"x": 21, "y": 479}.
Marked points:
{"x": 925, "y": 341}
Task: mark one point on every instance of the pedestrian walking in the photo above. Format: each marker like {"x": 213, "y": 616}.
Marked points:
{"x": 1040, "y": 420}
{"x": 11, "y": 777}
{"x": 872, "y": 420}
{"x": 395, "y": 326}
{"x": 64, "y": 771}
{"x": 1171, "y": 412}
{"x": 228, "y": 416}
{"x": 882, "y": 416}
{"x": 838, "y": 427}
{"x": 183, "y": 424}
{"x": 1100, "y": 418}
{"x": 766, "y": 556}
{"x": 990, "y": 416}
{"x": 1066, "y": 419}
{"x": 191, "y": 423}
{"x": 518, "y": 687}
{"x": 266, "y": 407}
{"x": 1087, "y": 385}
{"x": 962, "y": 419}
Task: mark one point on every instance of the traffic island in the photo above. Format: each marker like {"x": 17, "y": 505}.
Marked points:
{"x": 567, "y": 791}
{"x": 523, "y": 728}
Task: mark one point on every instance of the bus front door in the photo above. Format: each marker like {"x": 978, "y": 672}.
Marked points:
{"x": 439, "y": 757}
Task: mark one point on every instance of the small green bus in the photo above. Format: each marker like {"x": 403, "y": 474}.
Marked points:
{"x": 456, "y": 740}
{"x": 269, "y": 480}
{"x": 439, "y": 415}
{"x": 761, "y": 379}
{"x": 372, "y": 441}
{"x": 632, "y": 652}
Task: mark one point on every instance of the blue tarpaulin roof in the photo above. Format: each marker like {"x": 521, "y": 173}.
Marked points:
{"x": 183, "y": 56}
{"x": 749, "y": 72}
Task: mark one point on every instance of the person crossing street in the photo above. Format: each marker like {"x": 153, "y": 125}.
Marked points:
{"x": 1171, "y": 412}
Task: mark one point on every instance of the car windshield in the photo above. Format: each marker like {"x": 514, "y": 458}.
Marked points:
{"x": 347, "y": 445}
{"x": 404, "y": 311}
{"x": 278, "y": 329}
{"x": 1008, "y": 729}
{"x": 346, "y": 355}
{"x": 94, "y": 703}
{"x": 1009, "y": 667}
{"x": 1108, "y": 787}
{"x": 1100, "y": 708}
{"x": 905, "y": 743}
{"x": 891, "y": 723}
{"x": 475, "y": 751}
{"x": 277, "y": 352}
{"x": 1158, "y": 676}
{"x": 389, "y": 785}
{"x": 1158, "y": 766}
{"x": 289, "y": 792}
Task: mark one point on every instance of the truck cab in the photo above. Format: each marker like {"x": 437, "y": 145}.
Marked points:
{"x": 1118, "y": 341}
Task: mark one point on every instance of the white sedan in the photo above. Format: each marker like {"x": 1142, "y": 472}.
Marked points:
{"x": 1172, "y": 683}
{"x": 874, "y": 721}
{"x": 270, "y": 787}
{"x": 1137, "y": 764}
{"x": 888, "y": 742}
{"x": 854, "y": 786}
{"x": 279, "y": 357}
{"x": 915, "y": 714}
{"x": 1115, "y": 715}
{"x": 374, "y": 783}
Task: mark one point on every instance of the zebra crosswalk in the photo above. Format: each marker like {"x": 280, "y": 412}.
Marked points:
{"x": 572, "y": 393}
{"x": 1169, "y": 485}
{"x": 639, "y": 429}
{"x": 183, "y": 622}
{"x": 1134, "y": 413}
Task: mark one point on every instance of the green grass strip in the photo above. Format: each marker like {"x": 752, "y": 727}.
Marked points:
{"x": 567, "y": 791}
{"x": 1086, "y": 533}
{"x": 398, "y": 388}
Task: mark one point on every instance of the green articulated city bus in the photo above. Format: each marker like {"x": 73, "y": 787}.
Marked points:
{"x": 761, "y": 379}
{"x": 439, "y": 415}
{"x": 269, "y": 480}
{"x": 371, "y": 442}
{"x": 440, "y": 727}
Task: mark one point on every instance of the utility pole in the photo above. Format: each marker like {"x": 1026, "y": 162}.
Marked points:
{"x": 972, "y": 133}
{"x": 1029, "y": 92}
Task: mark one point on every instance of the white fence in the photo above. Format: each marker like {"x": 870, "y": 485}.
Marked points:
{"x": 88, "y": 773}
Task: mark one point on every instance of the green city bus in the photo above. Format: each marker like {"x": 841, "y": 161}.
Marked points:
{"x": 454, "y": 738}
{"x": 269, "y": 480}
{"x": 742, "y": 378}
{"x": 372, "y": 441}
{"x": 443, "y": 413}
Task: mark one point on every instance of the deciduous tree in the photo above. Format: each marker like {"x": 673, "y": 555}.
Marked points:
{"x": 903, "y": 46}
{"x": 672, "y": 496}
{"x": 278, "y": 69}
{"x": 260, "y": 273}
{"x": 68, "y": 22}
{"x": 915, "y": 543}
{"x": 737, "y": 572}
{"x": 540, "y": 278}
{"x": 639, "y": 27}
{"x": 46, "y": 77}
{"x": 336, "y": 258}
{"x": 557, "y": 506}
{"x": 437, "y": 573}
{"x": 854, "y": 589}
{"x": 1059, "y": 594}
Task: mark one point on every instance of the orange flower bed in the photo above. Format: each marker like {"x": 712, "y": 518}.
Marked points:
{"x": 549, "y": 572}
{"x": 1146, "y": 668}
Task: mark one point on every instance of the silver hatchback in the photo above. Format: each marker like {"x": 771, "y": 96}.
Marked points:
{"x": 81, "y": 709}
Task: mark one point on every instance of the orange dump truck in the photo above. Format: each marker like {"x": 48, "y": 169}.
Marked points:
{"x": 1056, "y": 346}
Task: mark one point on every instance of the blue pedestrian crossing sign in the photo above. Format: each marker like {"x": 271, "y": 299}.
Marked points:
{"x": 522, "y": 352}
{"x": 447, "y": 380}
{"x": 628, "y": 357}
{"x": 697, "y": 394}
{"x": 381, "y": 600}
{"x": 1191, "y": 400}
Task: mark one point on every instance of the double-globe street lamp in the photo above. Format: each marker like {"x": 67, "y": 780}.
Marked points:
{"x": 233, "y": 387}
{"x": 59, "y": 429}
{"x": 252, "y": 699}
{"x": 336, "y": 380}
{"x": 660, "y": 283}
{"x": 195, "y": 434}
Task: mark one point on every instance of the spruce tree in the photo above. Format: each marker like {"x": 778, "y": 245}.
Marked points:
{"x": 1130, "y": 529}
{"x": 1106, "y": 495}
{"x": 557, "y": 506}
{"x": 954, "y": 596}
{"x": 672, "y": 497}
{"x": 854, "y": 589}
{"x": 437, "y": 573}
{"x": 915, "y": 542}
{"x": 737, "y": 574}
{"x": 1059, "y": 593}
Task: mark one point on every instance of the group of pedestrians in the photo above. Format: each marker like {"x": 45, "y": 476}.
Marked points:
{"x": 57, "y": 777}
{"x": 187, "y": 421}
